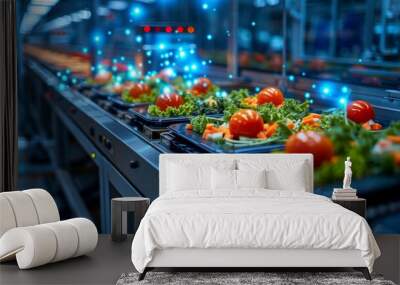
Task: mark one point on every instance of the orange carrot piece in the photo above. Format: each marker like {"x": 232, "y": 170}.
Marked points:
{"x": 271, "y": 130}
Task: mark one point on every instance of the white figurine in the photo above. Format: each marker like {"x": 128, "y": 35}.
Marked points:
{"x": 347, "y": 174}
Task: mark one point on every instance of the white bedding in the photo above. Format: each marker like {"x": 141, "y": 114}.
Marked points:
{"x": 250, "y": 219}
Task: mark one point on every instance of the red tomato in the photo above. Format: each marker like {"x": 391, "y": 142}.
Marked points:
{"x": 360, "y": 111}
{"x": 247, "y": 123}
{"x": 103, "y": 77}
{"x": 202, "y": 85}
{"x": 169, "y": 100}
{"x": 311, "y": 142}
{"x": 270, "y": 95}
{"x": 138, "y": 90}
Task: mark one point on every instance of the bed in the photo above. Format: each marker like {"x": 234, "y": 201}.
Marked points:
{"x": 247, "y": 210}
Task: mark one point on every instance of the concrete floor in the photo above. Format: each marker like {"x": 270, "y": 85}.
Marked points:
{"x": 110, "y": 260}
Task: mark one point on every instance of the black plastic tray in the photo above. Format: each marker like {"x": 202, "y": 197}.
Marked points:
{"x": 141, "y": 114}
{"x": 209, "y": 146}
{"x": 118, "y": 103}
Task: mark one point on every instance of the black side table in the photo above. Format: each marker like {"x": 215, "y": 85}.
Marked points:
{"x": 119, "y": 217}
{"x": 358, "y": 205}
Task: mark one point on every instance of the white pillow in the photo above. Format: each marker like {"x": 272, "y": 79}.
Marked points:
{"x": 187, "y": 176}
{"x": 282, "y": 174}
{"x": 251, "y": 178}
{"x": 231, "y": 180}
{"x": 223, "y": 179}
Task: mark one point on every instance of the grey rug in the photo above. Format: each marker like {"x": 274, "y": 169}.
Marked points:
{"x": 243, "y": 278}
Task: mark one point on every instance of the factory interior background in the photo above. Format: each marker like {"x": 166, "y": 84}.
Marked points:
{"x": 92, "y": 122}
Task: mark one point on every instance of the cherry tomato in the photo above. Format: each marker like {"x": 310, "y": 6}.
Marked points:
{"x": 360, "y": 111}
{"x": 247, "y": 123}
{"x": 138, "y": 90}
{"x": 202, "y": 85}
{"x": 311, "y": 142}
{"x": 103, "y": 77}
{"x": 270, "y": 95}
{"x": 169, "y": 100}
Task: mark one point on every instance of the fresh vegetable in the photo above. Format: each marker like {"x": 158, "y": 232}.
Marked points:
{"x": 202, "y": 86}
{"x": 138, "y": 89}
{"x": 270, "y": 95}
{"x": 360, "y": 111}
{"x": 372, "y": 126}
{"x": 247, "y": 123}
{"x": 311, "y": 142}
{"x": 166, "y": 100}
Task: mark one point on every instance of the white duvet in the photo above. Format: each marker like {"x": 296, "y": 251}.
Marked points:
{"x": 250, "y": 219}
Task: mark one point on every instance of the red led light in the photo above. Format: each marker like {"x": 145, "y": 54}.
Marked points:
{"x": 190, "y": 29}
{"x": 168, "y": 29}
{"x": 158, "y": 29}
{"x": 180, "y": 29}
{"x": 147, "y": 29}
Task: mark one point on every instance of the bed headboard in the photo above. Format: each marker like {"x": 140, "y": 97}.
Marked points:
{"x": 208, "y": 159}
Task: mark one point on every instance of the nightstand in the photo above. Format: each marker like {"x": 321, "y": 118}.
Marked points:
{"x": 119, "y": 215}
{"x": 358, "y": 205}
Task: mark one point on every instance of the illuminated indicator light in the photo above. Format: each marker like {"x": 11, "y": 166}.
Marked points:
{"x": 205, "y": 6}
{"x": 180, "y": 29}
{"x": 114, "y": 68}
{"x": 253, "y": 23}
{"x": 191, "y": 51}
{"x": 147, "y": 29}
{"x": 194, "y": 67}
{"x": 139, "y": 39}
{"x": 161, "y": 46}
{"x": 230, "y": 76}
{"x": 303, "y": 74}
{"x": 203, "y": 62}
{"x": 85, "y": 50}
{"x": 109, "y": 33}
{"x": 311, "y": 101}
{"x": 257, "y": 89}
{"x": 314, "y": 86}
{"x": 291, "y": 77}
{"x": 190, "y": 29}
{"x": 122, "y": 58}
{"x": 307, "y": 95}
{"x": 99, "y": 52}
{"x": 209, "y": 37}
{"x": 168, "y": 29}
{"x": 186, "y": 68}
{"x": 148, "y": 53}
{"x": 127, "y": 32}
{"x": 136, "y": 11}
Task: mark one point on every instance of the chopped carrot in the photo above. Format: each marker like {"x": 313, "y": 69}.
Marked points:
{"x": 262, "y": 135}
{"x": 189, "y": 127}
{"x": 376, "y": 127}
{"x": 366, "y": 126}
{"x": 290, "y": 125}
{"x": 394, "y": 139}
{"x": 266, "y": 126}
{"x": 271, "y": 130}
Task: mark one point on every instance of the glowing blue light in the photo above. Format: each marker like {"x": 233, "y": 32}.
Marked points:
{"x": 203, "y": 62}
{"x": 139, "y": 39}
{"x": 166, "y": 90}
{"x": 114, "y": 68}
{"x": 326, "y": 90}
{"x": 148, "y": 53}
{"x": 97, "y": 39}
{"x": 132, "y": 73}
{"x": 343, "y": 101}
{"x": 307, "y": 95}
{"x": 161, "y": 46}
{"x": 127, "y": 32}
{"x": 191, "y": 51}
{"x": 167, "y": 63}
{"x": 85, "y": 50}
{"x": 99, "y": 52}
{"x": 314, "y": 86}
{"x": 345, "y": 89}
{"x": 182, "y": 54}
{"x": 257, "y": 89}
{"x": 311, "y": 101}
{"x": 186, "y": 68}
{"x": 74, "y": 81}
{"x": 205, "y": 6}
{"x": 122, "y": 58}
{"x": 194, "y": 67}
{"x": 115, "y": 60}
{"x": 58, "y": 73}
{"x": 291, "y": 77}
{"x": 230, "y": 76}
{"x": 109, "y": 33}
{"x": 209, "y": 37}
{"x": 253, "y": 23}
{"x": 136, "y": 11}
{"x": 303, "y": 74}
